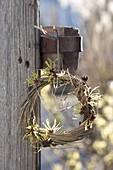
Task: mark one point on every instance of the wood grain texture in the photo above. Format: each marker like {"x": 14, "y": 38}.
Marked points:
{"x": 16, "y": 47}
{"x": 68, "y": 59}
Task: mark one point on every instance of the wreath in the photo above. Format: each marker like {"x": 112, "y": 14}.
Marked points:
{"x": 49, "y": 136}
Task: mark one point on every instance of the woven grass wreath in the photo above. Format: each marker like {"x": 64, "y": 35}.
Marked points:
{"x": 50, "y": 136}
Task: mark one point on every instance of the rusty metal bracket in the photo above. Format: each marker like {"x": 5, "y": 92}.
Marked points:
{"x": 66, "y": 44}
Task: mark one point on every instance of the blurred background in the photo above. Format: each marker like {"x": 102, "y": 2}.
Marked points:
{"x": 95, "y": 21}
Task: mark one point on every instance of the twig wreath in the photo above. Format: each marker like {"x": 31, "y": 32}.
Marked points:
{"x": 49, "y": 136}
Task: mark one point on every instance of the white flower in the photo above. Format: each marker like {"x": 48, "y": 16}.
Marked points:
{"x": 55, "y": 128}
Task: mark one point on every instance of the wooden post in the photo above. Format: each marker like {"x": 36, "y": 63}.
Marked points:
{"x": 17, "y": 61}
{"x": 37, "y": 66}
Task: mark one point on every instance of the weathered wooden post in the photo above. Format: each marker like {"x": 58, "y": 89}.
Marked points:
{"x": 17, "y": 61}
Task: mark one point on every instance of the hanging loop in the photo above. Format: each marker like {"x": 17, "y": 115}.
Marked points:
{"x": 58, "y": 48}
